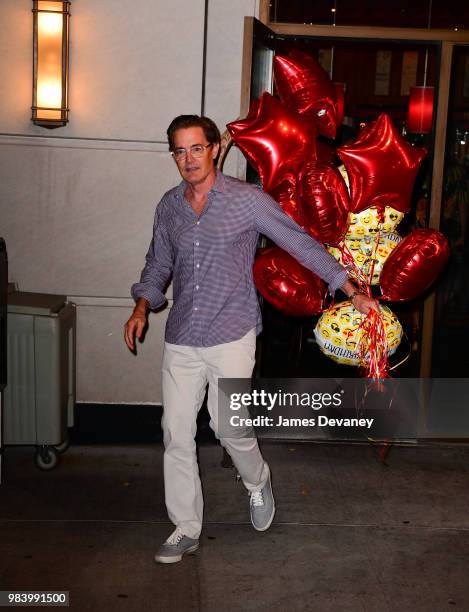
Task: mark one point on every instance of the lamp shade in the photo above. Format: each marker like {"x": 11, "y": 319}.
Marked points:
{"x": 50, "y": 62}
{"x": 339, "y": 101}
{"x": 420, "y": 116}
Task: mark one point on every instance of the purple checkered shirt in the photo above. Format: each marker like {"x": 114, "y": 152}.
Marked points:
{"x": 211, "y": 256}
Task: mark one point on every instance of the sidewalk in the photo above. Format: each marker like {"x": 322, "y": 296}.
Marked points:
{"x": 349, "y": 534}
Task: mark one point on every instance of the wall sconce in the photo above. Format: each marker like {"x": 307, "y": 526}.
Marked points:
{"x": 50, "y": 62}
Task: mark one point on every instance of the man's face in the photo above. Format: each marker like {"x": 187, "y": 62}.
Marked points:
{"x": 194, "y": 170}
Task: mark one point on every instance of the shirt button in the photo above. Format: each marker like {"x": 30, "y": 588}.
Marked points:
{"x": 197, "y": 287}
{"x": 197, "y": 243}
{"x": 196, "y": 308}
{"x": 197, "y": 266}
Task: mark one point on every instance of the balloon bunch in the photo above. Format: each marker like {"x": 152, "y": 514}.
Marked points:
{"x": 353, "y": 209}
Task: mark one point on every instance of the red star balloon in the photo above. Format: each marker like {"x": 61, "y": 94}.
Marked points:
{"x": 242, "y": 124}
{"x": 414, "y": 264}
{"x": 381, "y": 167}
{"x": 276, "y": 142}
{"x": 306, "y": 88}
{"x": 253, "y": 108}
{"x": 324, "y": 202}
{"x": 288, "y": 285}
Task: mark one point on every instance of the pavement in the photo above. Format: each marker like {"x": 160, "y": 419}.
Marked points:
{"x": 350, "y": 533}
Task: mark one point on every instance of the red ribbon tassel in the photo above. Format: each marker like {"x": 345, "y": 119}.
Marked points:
{"x": 373, "y": 349}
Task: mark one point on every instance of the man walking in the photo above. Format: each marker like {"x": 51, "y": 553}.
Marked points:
{"x": 204, "y": 236}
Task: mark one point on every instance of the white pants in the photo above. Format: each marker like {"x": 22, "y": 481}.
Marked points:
{"x": 186, "y": 372}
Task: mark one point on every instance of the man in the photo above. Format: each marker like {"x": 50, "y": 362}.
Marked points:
{"x": 205, "y": 235}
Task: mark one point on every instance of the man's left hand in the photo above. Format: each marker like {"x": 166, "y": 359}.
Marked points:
{"x": 364, "y": 304}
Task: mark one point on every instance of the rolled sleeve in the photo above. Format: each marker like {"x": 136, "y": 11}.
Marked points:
{"x": 158, "y": 267}
{"x": 279, "y": 227}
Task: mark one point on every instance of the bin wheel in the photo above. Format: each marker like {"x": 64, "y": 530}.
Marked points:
{"x": 46, "y": 457}
{"x": 64, "y": 446}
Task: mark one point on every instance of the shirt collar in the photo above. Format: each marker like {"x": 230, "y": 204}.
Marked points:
{"x": 218, "y": 185}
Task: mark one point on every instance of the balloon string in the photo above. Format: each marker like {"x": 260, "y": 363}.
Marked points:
{"x": 409, "y": 351}
{"x": 373, "y": 255}
{"x": 380, "y": 212}
{"x": 360, "y": 411}
{"x": 357, "y": 272}
{"x": 372, "y": 346}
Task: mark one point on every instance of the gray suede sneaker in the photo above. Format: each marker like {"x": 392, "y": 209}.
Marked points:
{"x": 262, "y": 506}
{"x": 175, "y": 547}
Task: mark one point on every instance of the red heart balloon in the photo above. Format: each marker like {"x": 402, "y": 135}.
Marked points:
{"x": 381, "y": 167}
{"x": 286, "y": 284}
{"x": 276, "y": 142}
{"x": 285, "y": 195}
{"x": 324, "y": 202}
{"x": 306, "y": 88}
{"x": 414, "y": 264}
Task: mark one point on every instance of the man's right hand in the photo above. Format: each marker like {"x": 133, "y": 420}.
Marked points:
{"x": 136, "y": 324}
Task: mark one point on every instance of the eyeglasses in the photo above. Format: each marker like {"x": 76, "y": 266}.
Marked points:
{"x": 196, "y": 150}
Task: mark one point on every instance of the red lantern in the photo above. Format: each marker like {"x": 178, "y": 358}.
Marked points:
{"x": 420, "y": 115}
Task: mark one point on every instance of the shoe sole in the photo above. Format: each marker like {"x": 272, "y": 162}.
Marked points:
{"x": 176, "y": 558}
{"x": 272, "y": 515}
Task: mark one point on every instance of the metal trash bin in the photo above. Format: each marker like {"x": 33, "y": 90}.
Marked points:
{"x": 39, "y": 400}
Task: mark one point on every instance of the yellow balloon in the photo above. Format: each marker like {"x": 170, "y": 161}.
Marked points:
{"x": 338, "y": 332}
{"x": 367, "y": 256}
{"x": 368, "y": 222}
